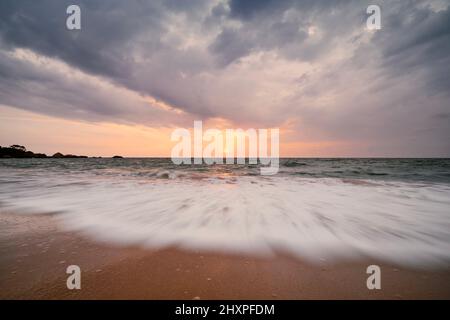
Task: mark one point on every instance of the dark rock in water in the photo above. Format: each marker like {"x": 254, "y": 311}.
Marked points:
{"x": 39, "y": 155}
{"x": 58, "y": 155}
{"x": 117, "y": 157}
{"x": 73, "y": 156}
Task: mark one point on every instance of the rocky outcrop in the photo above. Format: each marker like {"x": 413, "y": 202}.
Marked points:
{"x": 18, "y": 151}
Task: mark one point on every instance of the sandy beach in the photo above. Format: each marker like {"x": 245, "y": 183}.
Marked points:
{"x": 35, "y": 252}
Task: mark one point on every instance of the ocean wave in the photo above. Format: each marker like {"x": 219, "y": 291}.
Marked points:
{"x": 293, "y": 163}
{"x": 312, "y": 218}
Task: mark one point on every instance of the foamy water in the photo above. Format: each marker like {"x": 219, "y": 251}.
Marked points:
{"x": 399, "y": 221}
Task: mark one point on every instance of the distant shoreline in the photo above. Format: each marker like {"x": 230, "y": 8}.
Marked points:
{"x": 20, "y": 152}
{"x": 16, "y": 151}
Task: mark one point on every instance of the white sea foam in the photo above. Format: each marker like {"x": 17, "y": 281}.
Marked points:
{"x": 398, "y": 222}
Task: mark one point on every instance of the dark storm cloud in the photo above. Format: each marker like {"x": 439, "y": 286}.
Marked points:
{"x": 284, "y": 25}
{"x": 113, "y": 28}
{"x": 413, "y": 36}
{"x": 246, "y": 9}
{"x": 231, "y": 45}
{"x": 112, "y": 32}
{"x": 255, "y": 9}
{"x": 47, "y": 90}
{"x": 418, "y": 40}
{"x": 40, "y": 26}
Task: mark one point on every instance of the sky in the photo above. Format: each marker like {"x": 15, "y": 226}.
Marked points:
{"x": 139, "y": 69}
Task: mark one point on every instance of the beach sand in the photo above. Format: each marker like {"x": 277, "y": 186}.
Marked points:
{"x": 35, "y": 252}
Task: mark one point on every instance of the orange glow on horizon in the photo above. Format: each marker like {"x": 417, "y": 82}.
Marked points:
{"x": 49, "y": 135}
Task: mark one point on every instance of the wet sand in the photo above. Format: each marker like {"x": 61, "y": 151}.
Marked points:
{"x": 35, "y": 252}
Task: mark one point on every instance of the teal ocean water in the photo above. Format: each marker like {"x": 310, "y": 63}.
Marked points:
{"x": 425, "y": 170}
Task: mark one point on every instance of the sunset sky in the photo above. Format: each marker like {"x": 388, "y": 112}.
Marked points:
{"x": 139, "y": 69}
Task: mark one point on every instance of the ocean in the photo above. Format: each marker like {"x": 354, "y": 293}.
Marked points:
{"x": 394, "y": 210}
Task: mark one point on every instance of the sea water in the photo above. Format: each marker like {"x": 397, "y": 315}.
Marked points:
{"x": 395, "y": 210}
